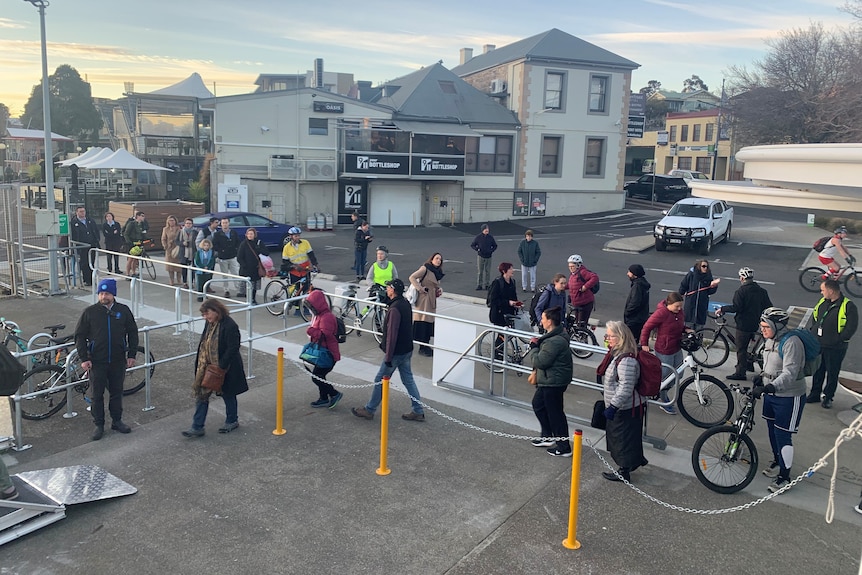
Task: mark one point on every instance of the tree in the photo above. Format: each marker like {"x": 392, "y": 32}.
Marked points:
{"x": 693, "y": 84}
{"x": 651, "y": 88}
{"x": 73, "y": 113}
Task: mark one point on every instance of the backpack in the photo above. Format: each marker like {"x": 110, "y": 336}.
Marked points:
{"x": 812, "y": 349}
{"x": 534, "y": 301}
{"x": 340, "y": 330}
{"x": 488, "y": 295}
{"x": 649, "y": 382}
{"x": 11, "y": 372}
{"x": 595, "y": 288}
{"x": 821, "y": 243}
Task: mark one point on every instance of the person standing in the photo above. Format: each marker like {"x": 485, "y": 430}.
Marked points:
{"x": 529, "y": 253}
{"x": 581, "y": 284}
{"x": 697, "y": 285}
{"x": 219, "y": 345}
{"x": 187, "y": 248}
{"x": 383, "y": 269}
{"x": 554, "y": 295}
{"x": 623, "y": 404}
{"x": 226, "y": 245}
{"x": 552, "y": 364}
{"x": 361, "y": 238}
{"x": 170, "y": 242}
{"x": 85, "y": 231}
{"x": 134, "y": 235}
{"x": 426, "y": 280}
{"x": 749, "y": 301}
{"x": 397, "y": 347}
{"x": 637, "y": 303}
{"x": 248, "y": 256}
{"x": 669, "y": 325}
{"x": 323, "y": 330}
{"x": 782, "y": 386}
{"x": 204, "y": 260}
{"x": 836, "y": 319}
{"x": 106, "y": 338}
{"x": 113, "y": 234}
{"x": 484, "y": 245}
{"x": 207, "y": 231}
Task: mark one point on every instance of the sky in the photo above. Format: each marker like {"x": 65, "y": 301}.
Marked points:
{"x": 229, "y": 43}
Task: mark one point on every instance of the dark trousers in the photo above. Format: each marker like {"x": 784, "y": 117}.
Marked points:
{"x": 318, "y": 376}
{"x": 86, "y": 269}
{"x": 113, "y": 262}
{"x": 202, "y": 407}
{"x": 548, "y": 407}
{"x": 202, "y": 279}
{"x": 830, "y": 365}
{"x": 108, "y": 376}
{"x": 636, "y": 327}
{"x": 743, "y": 340}
{"x": 360, "y": 258}
{"x": 185, "y": 271}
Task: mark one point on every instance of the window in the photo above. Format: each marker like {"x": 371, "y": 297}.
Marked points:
{"x": 257, "y": 221}
{"x": 673, "y": 133}
{"x": 704, "y": 165}
{"x": 447, "y": 86}
{"x": 594, "y": 162}
{"x": 318, "y": 127}
{"x": 554, "y": 90}
{"x": 683, "y": 136}
{"x": 599, "y": 94}
{"x": 489, "y": 154}
{"x": 684, "y": 163}
{"x": 696, "y": 136}
{"x": 551, "y": 155}
{"x": 710, "y": 132}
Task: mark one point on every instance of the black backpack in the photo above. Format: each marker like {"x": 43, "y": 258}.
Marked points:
{"x": 595, "y": 288}
{"x": 11, "y": 372}
{"x": 340, "y": 330}
{"x": 821, "y": 243}
{"x": 534, "y": 301}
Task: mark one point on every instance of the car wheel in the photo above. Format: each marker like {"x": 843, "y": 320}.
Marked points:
{"x": 706, "y": 246}
{"x": 660, "y": 246}
{"x": 727, "y": 234}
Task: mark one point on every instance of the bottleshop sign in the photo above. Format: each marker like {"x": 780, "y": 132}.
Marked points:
{"x": 445, "y": 166}
{"x": 377, "y": 164}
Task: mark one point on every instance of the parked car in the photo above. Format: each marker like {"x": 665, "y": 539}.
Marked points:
{"x": 270, "y": 232}
{"x": 695, "y": 223}
{"x": 667, "y": 189}
{"x": 688, "y": 175}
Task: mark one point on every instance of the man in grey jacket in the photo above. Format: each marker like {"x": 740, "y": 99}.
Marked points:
{"x": 782, "y": 385}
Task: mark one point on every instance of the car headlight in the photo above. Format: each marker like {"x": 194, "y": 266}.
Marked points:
{"x": 659, "y": 230}
{"x": 698, "y": 232}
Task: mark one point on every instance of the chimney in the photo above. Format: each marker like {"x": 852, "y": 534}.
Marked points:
{"x": 487, "y": 48}
{"x": 466, "y": 54}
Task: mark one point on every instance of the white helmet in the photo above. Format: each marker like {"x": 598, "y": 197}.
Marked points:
{"x": 575, "y": 259}
{"x": 746, "y": 273}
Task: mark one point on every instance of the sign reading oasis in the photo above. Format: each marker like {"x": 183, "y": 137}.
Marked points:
{"x": 329, "y": 107}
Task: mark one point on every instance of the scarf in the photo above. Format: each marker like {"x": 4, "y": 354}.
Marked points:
{"x": 436, "y": 270}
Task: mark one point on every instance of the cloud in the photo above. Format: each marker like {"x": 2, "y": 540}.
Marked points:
{"x": 10, "y": 24}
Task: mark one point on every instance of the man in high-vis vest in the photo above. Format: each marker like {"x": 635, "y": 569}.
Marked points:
{"x": 383, "y": 269}
{"x": 835, "y": 321}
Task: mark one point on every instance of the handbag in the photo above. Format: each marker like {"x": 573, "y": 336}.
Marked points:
{"x": 175, "y": 252}
{"x": 598, "y": 420}
{"x": 213, "y": 378}
{"x": 532, "y": 378}
{"x": 316, "y": 355}
{"x": 412, "y": 294}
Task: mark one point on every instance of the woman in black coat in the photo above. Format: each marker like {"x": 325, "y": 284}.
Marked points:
{"x": 113, "y": 233}
{"x": 219, "y": 345}
{"x": 696, "y": 287}
{"x": 248, "y": 258}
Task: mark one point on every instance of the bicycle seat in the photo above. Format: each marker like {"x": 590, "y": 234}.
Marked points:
{"x": 61, "y": 340}
{"x": 58, "y": 327}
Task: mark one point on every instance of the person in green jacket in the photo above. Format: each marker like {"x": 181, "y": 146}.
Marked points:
{"x": 552, "y": 365}
{"x": 529, "y": 253}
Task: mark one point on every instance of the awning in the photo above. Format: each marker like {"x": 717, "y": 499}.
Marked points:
{"x": 436, "y": 128}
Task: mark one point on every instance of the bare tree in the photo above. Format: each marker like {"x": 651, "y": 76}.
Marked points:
{"x": 854, "y": 8}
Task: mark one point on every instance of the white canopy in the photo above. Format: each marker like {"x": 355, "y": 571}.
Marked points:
{"x": 80, "y": 160}
{"x": 121, "y": 160}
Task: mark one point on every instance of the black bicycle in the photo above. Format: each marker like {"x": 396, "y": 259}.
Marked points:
{"x": 503, "y": 349}
{"x": 717, "y": 344}
{"x": 579, "y": 331}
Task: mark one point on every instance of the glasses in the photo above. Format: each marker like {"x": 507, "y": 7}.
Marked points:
{"x": 611, "y": 336}
{"x": 765, "y": 326}
{"x": 704, "y": 266}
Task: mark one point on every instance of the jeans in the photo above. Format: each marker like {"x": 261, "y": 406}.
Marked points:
{"x": 674, "y": 359}
{"x": 402, "y": 364}
{"x": 483, "y": 271}
{"x": 231, "y": 266}
{"x": 360, "y": 259}
{"x": 830, "y": 364}
{"x": 528, "y": 273}
{"x": 203, "y": 405}
{"x": 108, "y": 376}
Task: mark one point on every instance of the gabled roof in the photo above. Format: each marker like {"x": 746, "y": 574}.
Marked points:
{"x": 25, "y": 134}
{"x": 435, "y": 94}
{"x": 191, "y": 87}
{"x": 551, "y": 46}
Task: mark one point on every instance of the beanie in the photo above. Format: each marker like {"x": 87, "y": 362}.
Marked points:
{"x": 637, "y": 270}
{"x": 108, "y": 285}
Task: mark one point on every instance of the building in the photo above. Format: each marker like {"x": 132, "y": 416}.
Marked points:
{"x": 693, "y": 101}
{"x": 24, "y": 148}
{"x": 692, "y": 139}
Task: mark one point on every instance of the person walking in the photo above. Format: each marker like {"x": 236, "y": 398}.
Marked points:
{"x": 112, "y": 231}
{"x": 552, "y": 365}
{"x": 484, "y": 245}
{"x": 749, "y": 301}
{"x": 554, "y": 295}
{"x": 106, "y": 338}
{"x": 426, "y": 280}
{"x": 170, "y": 243}
{"x": 248, "y": 256}
{"x": 133, "y": 234}
{"x": 637, "y": 303}
{"x": 581, "y": 284}
{"x": 219, "y": 345}
{"x": 226, "y": 245}
{"x": 397, "y": 347}
{"x": 85, "y": 231}
{"x": 205, "y": 260}
{"x": 624, "y": 409}
{"x": 187, "y": 248}
{"x": 529, "y": 253}
{"x": 382, "y": 270}
{"x": 669, "y": 325}
{"x": 836, "y": 319}
{"x": 782, "y": 386}
{"x": 697, "y": 285}
{"x": 361, "y": 238}
{"x": 323, "y": 330}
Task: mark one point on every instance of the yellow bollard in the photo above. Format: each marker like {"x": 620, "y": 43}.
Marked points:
{"x": 384, "y": 427}
{"x": 571, "y": 541}
{"x": 279, "y": 390}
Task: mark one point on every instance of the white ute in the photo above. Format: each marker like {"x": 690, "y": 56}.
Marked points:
{"x": 694, "y": 222}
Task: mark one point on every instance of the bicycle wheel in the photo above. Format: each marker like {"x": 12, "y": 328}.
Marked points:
{"x": 44, "y": 358}
{"x": 43, "y": 377}
{"x": 715, "y": 408}
{"x": 305, "y": 309}
{"x": 379, "y": 316}
{"x": 853, "y": 284}
{"x": 274, "y": 296}
{"x": 723, "y": 460}
{"x": 485, "y": 347}
{"x": 148, "y": 266}
{"x": 585, "y": 336}
{"x": 128, "y": 387}
{"x": 811, "y": 278}
{"x": 714, "y": 348}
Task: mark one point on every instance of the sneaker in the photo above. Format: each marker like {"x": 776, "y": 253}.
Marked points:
{"x": 361, "y": 412}
{"x": 779, "y": 484}
{"x": 323, "y": 402}
{"x": 121, "y": 427}
{"x": 98, "y": 433}
{"x": 668, "y": 409}
{"x": 10, "y": 495}
{"x": 556, "y": 452}
{"x": 228, "y": 427}
{"x": 226, "y": 293}
{"x": 812, "y": 398}
{"x": 772, "y": 470}
{"x": 827, "y": 403}
{"x": 736, "y": 377}
{"x": 413, "y": 416}
{"x": 333, "y": 401}
{"x": 543, "y": 442}
{"x": 192, "y": 432}
{"x": 858, "y": 508}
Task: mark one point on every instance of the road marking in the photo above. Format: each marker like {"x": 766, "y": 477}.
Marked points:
{"x": 335, "y": 248}
{"x": 634, "y": 223}
{"x": 452, "y": 262}
{"x": 608, "y": 217}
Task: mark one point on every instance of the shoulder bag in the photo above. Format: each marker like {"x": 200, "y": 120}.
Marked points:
{"x": 412, "y": 294}
{"x": 213, "y": 378}
{"x": 317, "y": 355}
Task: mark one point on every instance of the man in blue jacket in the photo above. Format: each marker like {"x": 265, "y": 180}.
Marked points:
{"x": 484, "y": 246}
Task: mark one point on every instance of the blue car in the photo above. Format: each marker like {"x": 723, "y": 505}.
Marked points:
{"x": 270, "y": 232}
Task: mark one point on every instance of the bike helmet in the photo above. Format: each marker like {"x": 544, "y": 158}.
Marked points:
{"x": 136, "y": 251}
{"x": 575, "y": 259}
{"x": 746, "y": 273}
{"x": 691, "y": 341}
{"x": 382, "y": 249}
{"x": 294, "y": 231}
{"x": 775, "y": 317}
{"x": 841, "y": 230}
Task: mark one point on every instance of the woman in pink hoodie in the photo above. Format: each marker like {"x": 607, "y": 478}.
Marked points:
{"x": 324, "y": 331}
{"x": 669, "y": 324}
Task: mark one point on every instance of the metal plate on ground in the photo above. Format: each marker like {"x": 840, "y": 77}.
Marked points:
{"x": 77, "y": 484}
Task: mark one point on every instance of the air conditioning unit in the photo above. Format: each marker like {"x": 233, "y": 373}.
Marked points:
{"x": 284, "y": 169}
{"x": 320, "y": 170}
{"x": 498, "y": 86}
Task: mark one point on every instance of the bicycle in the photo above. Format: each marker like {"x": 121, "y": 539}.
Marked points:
{"x": 811, "y": 277}
{"x": 516, "y": 347}
{"x": 353, "y": 317}
{"x": 703, "y": 400}
{"x": 579, "y": 331}
{"x": 146, "y": 262}
{"x": 717, "y": 343}
{"x": 724, "y": 457}
{"x": 280, "y": 289}
{"x": 52, "y": 377}
{"x": 40, "y": 340}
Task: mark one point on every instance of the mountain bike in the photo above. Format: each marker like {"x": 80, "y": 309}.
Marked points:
{"x": 724, "y": 457}
{"x": 511, "y": 349}
{"x": 579, "y": 331}
{"x": 717, "y": 343}
{"x": 284, "y": 287}
{"x": 810, "y": 279}
{"x": 703, "y": 400}
{"x": 354, "y": 312}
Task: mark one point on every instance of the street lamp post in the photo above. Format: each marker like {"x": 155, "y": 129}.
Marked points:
{"x": 49, "y": 169}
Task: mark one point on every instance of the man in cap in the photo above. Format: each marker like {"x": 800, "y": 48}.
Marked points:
{"x": 749, "y": 301}
{"x": 637, "y": 303}
{"x": 397, "y": 347}
{"x": 107, "y": 341}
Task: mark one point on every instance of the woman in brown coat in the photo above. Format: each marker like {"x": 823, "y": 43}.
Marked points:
{"x": 170, "y": 237}
{"x": 426, "y": 280}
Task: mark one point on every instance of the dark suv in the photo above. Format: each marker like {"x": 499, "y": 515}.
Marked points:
{"x": 668, "y": 189}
